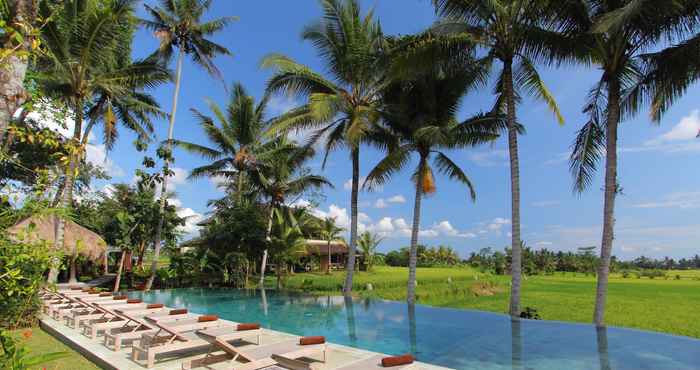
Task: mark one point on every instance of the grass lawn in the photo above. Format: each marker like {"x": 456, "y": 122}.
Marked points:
{"x": 42, "y": 342}
{"x": 666, "y": 305}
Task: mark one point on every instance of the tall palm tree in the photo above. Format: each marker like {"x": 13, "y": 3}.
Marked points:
{"x": 512, "y": 32}
{"x": 237, "y": 137}
{"x": 343, "y": 107}
{"x": 178, "y": 25}
{"x": 284, "y": 175}
{"x": 421, "y": 113}
{"x": 368, "y": 244}
{"x": 88, "y": 69}
{"x": 614, "y": 35}
{"x": 330, "y": 232}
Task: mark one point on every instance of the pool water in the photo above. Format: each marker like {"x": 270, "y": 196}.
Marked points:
{"x": 460, "y": 339}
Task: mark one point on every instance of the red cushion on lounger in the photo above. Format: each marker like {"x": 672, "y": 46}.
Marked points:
{"x": 207, "y": 318}
{"x": 305, "y": 341}
{"x": 105, "y": 294}
{"x": 154, "y": 305}
{"x": 120, "y": 298}
{"x": 248, "y": 326}
{"x": 398, "y": 360}
{"x": 178, "y": 311}
{"x": 76, "y": 288}
{"x": 134, "y": 300}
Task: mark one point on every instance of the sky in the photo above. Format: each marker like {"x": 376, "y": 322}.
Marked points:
{"x": 657, "y": 214}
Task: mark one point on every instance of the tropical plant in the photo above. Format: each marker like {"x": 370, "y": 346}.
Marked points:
{"x": 15, "y": 355}
{"x": 284, "y": 175}
{"x": 614, "y": 35}
{"x": 420, "y": 113}
{"x": 287, "y": 245}
{"x": 178, "y": 25}
{"x": 88, "y": 69}
{"x": 238, "y": 139}
{"x": 368, "y": 244}
{"x": 330, "y": 232}
{"x": 343, "y": 107}
{"x": 512, "y": 32}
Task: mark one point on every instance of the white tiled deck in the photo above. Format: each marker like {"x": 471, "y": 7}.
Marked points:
{"x": 104, "y": 357}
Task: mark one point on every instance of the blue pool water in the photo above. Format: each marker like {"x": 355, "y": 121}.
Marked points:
{"x": 460, "y": 339}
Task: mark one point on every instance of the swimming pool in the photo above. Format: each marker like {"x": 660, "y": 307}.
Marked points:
{"x": 460, "y": 339}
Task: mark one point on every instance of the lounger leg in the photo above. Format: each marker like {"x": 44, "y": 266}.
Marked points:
{"x": 151, "y": 359}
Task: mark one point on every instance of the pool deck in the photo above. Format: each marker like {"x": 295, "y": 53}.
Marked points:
{"x": 95, "y": 351}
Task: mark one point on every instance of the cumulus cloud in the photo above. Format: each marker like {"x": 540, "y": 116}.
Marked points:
{"x": 489, "y": 158}
{"x": 682, "y": 200}
{"x": 192, "y": 218}
{"x": 397, "y": 199}
{"x": 380, "y": 203}
{"x": 686, "y": 129}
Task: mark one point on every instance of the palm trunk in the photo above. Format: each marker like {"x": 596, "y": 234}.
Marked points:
{"x": 516, "y": 247}
{"x": 67, "y": 195}
{"x": 328, "y": 268}
{"x": 239, "y": 188}
{"x": 268, "y": 239}
{"x": 602, "y": 343}
{"x": 142, "y": 251}
{"x": 73, "y": 269}
{"x": 413, "y": 254}
{"x": 609, "y": 207}
{"x": 118, "y": 280}
{"x": 166, "y": 168}
{"x": 350, "y": 268}
{"x": 12, "y": 93}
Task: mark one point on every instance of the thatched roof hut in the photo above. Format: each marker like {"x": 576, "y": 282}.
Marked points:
{"x": 88, "y": 243}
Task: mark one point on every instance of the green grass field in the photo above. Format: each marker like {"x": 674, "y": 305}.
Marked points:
{"x": 41, "y": 342}
{"x": 666, "y": 305}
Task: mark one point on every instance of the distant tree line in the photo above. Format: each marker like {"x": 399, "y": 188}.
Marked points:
{"x": 427, "y": 256}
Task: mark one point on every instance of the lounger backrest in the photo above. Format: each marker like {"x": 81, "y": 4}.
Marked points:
{"x": 167, "y": 329}
{"x": 291, "y": 363}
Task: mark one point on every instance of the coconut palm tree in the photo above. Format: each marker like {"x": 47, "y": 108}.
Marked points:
{"x": 88, "y": 69}
{"x": 344, "y": 106}
{"x": 614, "y": 35}
{"x": 421, "y": 113}
{"x": 368, "y": 244}
{"x": 330, "y": 232}
{"x": 512, "y": 32}
{"x": 237, "y": 137}
{"x": 178, "y": 25}
{"x": 284, "y": 175}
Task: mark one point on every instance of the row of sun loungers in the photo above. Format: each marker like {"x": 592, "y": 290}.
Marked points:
{"x": 155, "y": 331}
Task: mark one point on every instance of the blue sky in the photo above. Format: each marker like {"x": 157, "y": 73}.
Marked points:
{"x": 656, "y": 216}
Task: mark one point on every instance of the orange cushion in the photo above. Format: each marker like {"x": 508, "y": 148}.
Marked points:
{"x": 76, "y": 288}
{"x": 105, "y": 294}
{"x": 131, "y": 301}
{"x": 248, "y": 326}
{"x": 94, "y": 292}
{"x": 178, "y": 311}
{"x": 120, "y": 298}
{"x": 207, "y": 318}
{"x": 154, "y": 305}
{"x": 305, "y": 341}
{"x": 398, "y": 360}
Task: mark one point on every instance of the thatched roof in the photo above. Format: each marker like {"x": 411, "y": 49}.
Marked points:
{"x": 88, "y": 243}
{"x": 320, "y": 247}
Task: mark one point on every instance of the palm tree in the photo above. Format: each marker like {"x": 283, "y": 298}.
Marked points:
{"x": 283, "y": 175}
{"x": 238, "y": 139}
{"x": 330, "y": 232}
{"x": 343, "y": 107}
{"x": 178, "y": 25}
{"x": 368, "y": 244}
{"x": 614, "y": 35}
{"x": 420, "y": 113}
{"x": 511, "y": 32}
{"x": 88, "y": 69}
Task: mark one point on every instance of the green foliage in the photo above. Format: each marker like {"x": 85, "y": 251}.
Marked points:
{"x": 15, "y": 355}
{"x": 427, "y": 256}
{"x": 530, "y": 313}
{"x": 368, "y": 244}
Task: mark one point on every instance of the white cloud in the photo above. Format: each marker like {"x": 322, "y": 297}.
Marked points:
{"x": 97, "y": 155}
{"x": 558, "y": 159}
{"x": 397, "y": 199}
{"x": 179, "y": 177}
{"x": 682, "y": 200}
{"x": 546, "y": 203}
{"x": 380, "y": 203}
{"x": 385, "y": 225}
{"x": 686, "y": 129}
{"x": 281, "y": 104}
{"x": 543, "y": 244}
{"x": 498, "y": 223}
{"x": 192, "y": 218}
{"x": 341, "y": 216}
{"x": 489, "y": 158}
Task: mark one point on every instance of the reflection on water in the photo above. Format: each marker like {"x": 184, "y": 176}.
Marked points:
{"x": 460, "y": 339}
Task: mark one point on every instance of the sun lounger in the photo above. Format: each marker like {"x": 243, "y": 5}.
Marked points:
{"x": 125, "y": 320}
{"x": 102, "y": 312}
{"x": 70, "y": 302}
{"x": 83, "y": 305}
{"x": 133, "y": 333}
{"x": 174, "y": 338}
{"x": 288, "y": 352}
{"x": 375, "y": 362}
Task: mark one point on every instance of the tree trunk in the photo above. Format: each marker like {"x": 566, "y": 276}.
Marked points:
{"x": 278, "y": 271}
{"x": 73, "y": 269}
{"x": 516, "y": 246}
{"x": 268, "y": 239}
{"x": 166, "y": 168}
{"x": 413, "y": 253}
{"x": 350, "y": 268}
{"x": 142, "y": 251}
{"x": 609, "y": 206}
{"x": 118, "y": 280}
{"x": 67, "y": 195}
{"x": 14, "y": 69}
{"x": 328, "y": 268}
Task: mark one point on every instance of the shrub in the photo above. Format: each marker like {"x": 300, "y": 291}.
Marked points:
{"x": 14, "y": 354}
{"x": 530, "y": 313}
{"x": 651, "y": 274}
